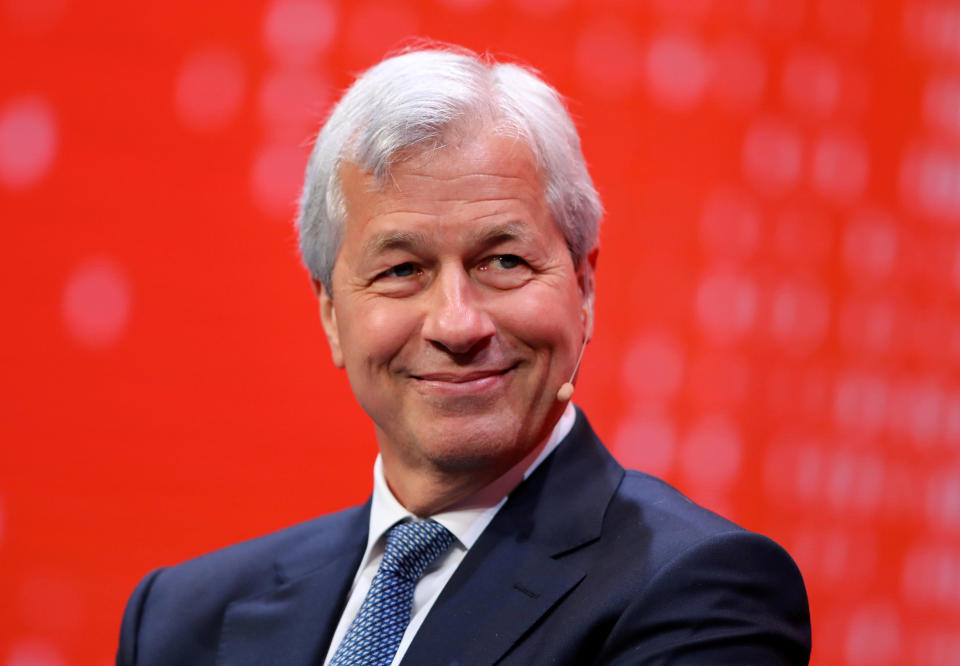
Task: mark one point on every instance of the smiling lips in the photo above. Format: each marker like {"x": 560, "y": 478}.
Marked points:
{"x": 462, "y": 383}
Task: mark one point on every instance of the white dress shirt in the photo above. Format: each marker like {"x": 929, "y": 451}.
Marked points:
{"x": 466, "y": 520}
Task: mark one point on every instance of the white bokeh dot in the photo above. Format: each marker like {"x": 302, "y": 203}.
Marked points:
{"x": 739, "y": 74}
{"x": 296, "y": 32}
{"x": 677, "y": 70}
{"x": 772, "y": 155}
{"x": 608, "y": 59}
{"x": 873, "y": 635}
{"x": 931, "y": 576}
{"x": 293, "y": 103}
{"x": 853, "y": 483}
{"x": 794, "y": 469}
{"x": 209, "y": 88}
{"x": 943, "y": 579}
{"x": 646, "y": 442}
{"x": 811, "y": 82}
{"x": 28, "y": 141}
{"x": 653, "y": 366}
{"x": 934, "y": 29}
{"x": 951, "y": 421}
{"x": 916, "y": 411}
{"x": 276, "y": 177}
{"x": 35, "y": 653}
{"x": 930, "y": 182}
{"x": 726, "y": 305}
{"x": 941, "y": 104}
{"x": 850, "y": 557}
{"x": 730, "y": 223}
{"x": 861, "y": 402}
{"x": 840, "y": 166}
{"x": 870, "y": 245}
{"x": 712, "y": 452}
{"x": 96, "y": 303}
{"x": 943, "y": 502}
{"x": 799, "y": 316}
{"x": 937, "y": 648}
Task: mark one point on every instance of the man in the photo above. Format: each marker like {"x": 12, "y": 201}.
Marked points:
{"x": 450, "y": 227}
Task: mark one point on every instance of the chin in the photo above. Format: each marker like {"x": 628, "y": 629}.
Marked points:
{"x": 470, "y": 443}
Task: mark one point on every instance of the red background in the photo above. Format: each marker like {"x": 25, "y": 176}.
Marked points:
{"x": 777, "y": 313}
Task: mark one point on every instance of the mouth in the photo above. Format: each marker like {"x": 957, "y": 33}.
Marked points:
{"x": 463, "y": 383}
{"x": 463, "y": 377}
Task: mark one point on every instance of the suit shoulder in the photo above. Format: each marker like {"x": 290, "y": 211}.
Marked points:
{"x": 659, "y": 504}
{"x": 178, "y": 611}
{"x": 649, "y": 515}
{"x": 233, "y": 569}
{"x": 679, "y": 564}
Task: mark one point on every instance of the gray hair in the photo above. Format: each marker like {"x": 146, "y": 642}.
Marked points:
{"x": 409, "y": 104}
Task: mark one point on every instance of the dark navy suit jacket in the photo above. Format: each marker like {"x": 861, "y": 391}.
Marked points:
{"x": 584, "y": 564}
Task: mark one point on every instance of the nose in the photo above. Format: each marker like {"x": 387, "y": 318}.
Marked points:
{"x": 456, "y": 320}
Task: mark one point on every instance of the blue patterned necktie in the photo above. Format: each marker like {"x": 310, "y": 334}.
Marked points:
{"x": 375, "y": 634}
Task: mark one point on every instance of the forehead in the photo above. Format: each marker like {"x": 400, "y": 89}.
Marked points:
{"x": 481, "y": 176}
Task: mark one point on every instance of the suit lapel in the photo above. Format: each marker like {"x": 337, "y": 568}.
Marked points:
{"x": 518, "y": 569}
{"x": 293, "y": 621}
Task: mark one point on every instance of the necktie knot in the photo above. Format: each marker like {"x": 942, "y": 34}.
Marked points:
{"x": 413, "y": 546}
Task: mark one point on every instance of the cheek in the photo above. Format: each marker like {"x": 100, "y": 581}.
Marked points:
{"x": 374, "y": 332}
{"x": 547, "y": 319}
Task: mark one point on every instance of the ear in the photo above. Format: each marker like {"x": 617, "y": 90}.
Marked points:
{"x": 328, "y": 317}
{"x": 585, "y": 280}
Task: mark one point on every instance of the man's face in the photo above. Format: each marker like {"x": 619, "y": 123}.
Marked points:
{"x": 456, "y": 308}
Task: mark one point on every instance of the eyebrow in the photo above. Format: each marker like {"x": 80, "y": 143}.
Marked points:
{"x": 412, "y": 240}
{"x": 394, "y": 240}
{"x": 502, "y": 233}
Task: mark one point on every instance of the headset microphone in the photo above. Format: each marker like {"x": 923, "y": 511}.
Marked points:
{"x": 566, "y": 390}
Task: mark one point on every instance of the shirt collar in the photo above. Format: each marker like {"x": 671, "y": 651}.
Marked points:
{"x": 463, "y": 519}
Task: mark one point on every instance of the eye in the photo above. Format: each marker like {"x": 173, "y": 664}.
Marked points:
{"x": 502, "y": 262}
{"x": 504, "y": 271}
{"x": 406, "y": 269}
{"x": 508, "y": 260}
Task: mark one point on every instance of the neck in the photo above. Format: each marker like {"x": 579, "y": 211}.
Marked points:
{"x": 428, "y": 491}
{"x": 427, "y": 495}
